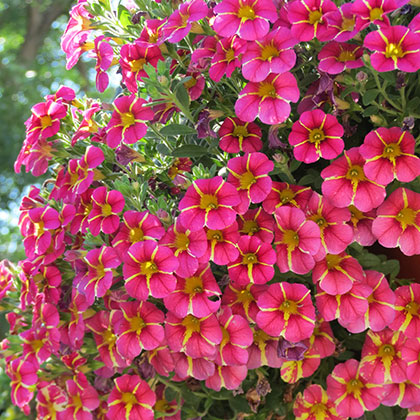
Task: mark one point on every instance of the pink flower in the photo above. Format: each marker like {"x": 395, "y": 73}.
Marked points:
{"x": 195, "y": 85}
{"x": 257, "y": 223}
{"x": 255, "y": 262}
{"x": 180, "y": 23}
{"x": 250, "y": 19}
{"x": 131, "y": 398}
{"x": 345, "y": 183}
{"x": 137, "y": 326}
{"x": 263, "y": 351}
{"x": 127, "y": 121}
{"x": 308, "y": 19}
{"x": 186, "y": 366}
{"x": 316, "y": 135}
{"x": 397, "y": 221}
{"x": 389, "y": 154}
{"x": 209, "y": 202}
{"x": 269, "y": 99}
{"x": 394, "y": 47}
{"x": 222, "y": 244}
{"x": 104, "y": 214}
{"x": 229, "y": 377}
{"x": 148, "y": 270}
{"x": 297, "y": 240}
{"x": 362, "y": 226}
{"x": 405, "y": 394}
{"x": 239, "y": 136}
{"x": 104, "y": 56}
{"x": 286, "y": 310}
{"x": 152, "y": 31}
{"x": 407, "y": 318}
{"x": 410, "y": 354}
{"x": 343, "y": 22}
{"x": 272, "y": 54}
{"x": 335, "y": 57}
{"x": 249, "y": 175}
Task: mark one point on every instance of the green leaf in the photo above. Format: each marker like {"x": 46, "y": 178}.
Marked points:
{"x": 190, "y": 150}
{"x": 170, "y": 394}
{"x": 182, "y": 95}
{"x": 370, "y": 110}
{"x": 414, "y": 104}
{"x": 124, "y": 16}
{"x": 369, "y": 96}
{"x": 177, "y": 130}
{"x": 389, "y": 76}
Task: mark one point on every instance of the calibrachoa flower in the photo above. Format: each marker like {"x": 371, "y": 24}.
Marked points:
{"x": 164, "y": 406}
{"x": 335, "y": 57}
{"x": 127, "y": 121}
{"x": 104, "y": 214}
{"x": 345, "y": 183}
{"x": 195, "y": 294}
{"x": 362, "y": 226}
{"x": 297, "y": 240}
{"x": 407, "y": 317}
{"x": 269, "y": 100}
{"x": 397, "y": 221}
{"x": 272, "y": 54}
{"x": 307, "y": 18}
{"x": 263, "y": 351}
{"x": 316, "y": 134}
{"x": 185, "y": 366}
{"x": 389, "y": 154}
{"x": 410, "y": 354}
{"x": 229, "y": 377}
{"x": 50, "y": 400}
{"x": 130, "y": 399}
{"x": 137, "y": 326}
{"x": 250, "y": 19}
{"x": 104, "y": 56}
{"x": 381, "y": 357}
{"x": 343, "y": 22}
{"x": 405, "y": 394}
{"x": 286, "y": 309}
{"x": 257, "y": 223}
{"x": 148, "y": 270}
{"x": 222, "y": 245}
{"x": 239, "y": 136}
{"x": 249, "y": 175}
{"x": 255, "y": 263}
{"x": 180, "y": 23}
{"x": 314, "y": 404}
{"x": 394, "y": 47}
{"x": 209, "y": 202}
{"x": 6, "y": 278}
{"x": 350, "y": 393}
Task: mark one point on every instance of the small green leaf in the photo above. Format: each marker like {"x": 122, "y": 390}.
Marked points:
{"x": 182, "y": 95}
{"x": 190, "y": 150}
{"x": 124, "y": 16}
{"x": 369, "y": 96}
{"x": 370, "y": 110}
{"x": 389, "y": 76}
{"x": 170, "y": 394}
{"x": 177, "y": 129}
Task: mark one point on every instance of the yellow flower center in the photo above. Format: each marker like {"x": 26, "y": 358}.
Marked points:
{"x": 230, "y": 55}
{"x": 128, "y": 398}
{"x": 267, "y": 89}
{"x": 316, "y": 135}
{"x": 148, "y": 268}
{"x": 136, "y": 235}
{"x": 245, "y": 296}
{"x": 291, "y": 239}
{"x": 37, "y": 345}
{"x": 39, "y": 228}
{"x": 246, "y": 13}
{"x": 391, "y": 151}
{"x": 386, "y": 350}
{"x": 208, "y": 202}
{"x": 315, "y": 16}
{"x": 137, "y": 65}
{"x": 354, "y": 387}
{"x": 376, "y": 13}
{"x": 348, "y": 24}
{"x": 77, "y": 401}
{"x": 225, "y": 337}
{"x": 214, "y": 235}
{"x": 289, "y": 307}
{"x": 137, "y": 324}
{"x": 106, "y": 210}
{"x": 181, "y": 241}
{"x": 412, "y": 308}
{"x": 355, "y": 174}
{"x": 191, "y": 323}
{"x": 260, "y": 337}
{"x": 246, "y": 180}
{"x": 406, "y": 217}
{"x": 269, "y": 51}
{"x": 193, "y": 285}
{"x": 333, "y": 261}
{"x": 46, "y": 121}
{"x": 240, "y": 131}
{"x": 250, "y": 227}
{"x": 127, "y": 119}
{"x": 249, "y": 259}
{"x": 393, "y": 51}
{"x": 356, "y": 215}
{"x": 346, "y": 56}
{"x": 162, "y": 406}
{"x": 286, "y": 196}
{"x": 109, "y": 338}
{"x": 319, "y": 411}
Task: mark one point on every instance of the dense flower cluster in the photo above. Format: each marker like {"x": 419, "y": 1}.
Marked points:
{"x": 147, "y": 269}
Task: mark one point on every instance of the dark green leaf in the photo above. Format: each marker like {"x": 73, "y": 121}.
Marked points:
{"x": 177, "y": 129}
{"x": 369, "y": 96}
{"x": 370, "y": 110}
{"x": 190, "y": 150}
{"x": 182, "y": 95}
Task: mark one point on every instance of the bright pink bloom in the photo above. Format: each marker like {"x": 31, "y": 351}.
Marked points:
{"x": 336, "y": 234}
{"x": 186, "y": 366}
{"x": 209, "y": 202}
{"x": 335, "y": 57}
{"x": 164, "y": 406}
{"x": 286, "y": 310}
{"x": 83, "y": 206}
{"x": 131, "y": 399}
{"x": 407, "y": 317}
{"x": 249, "y": 19}
{"x": 195, "y": 294}
{"x": 337, "y": 273}
{"x": 50, "y": 400}
{"x": 381, "y": 357}
{"x": 39, "y": 343}
{"x": 243, "y": 299}
{"x": 284, "y": 194}
{"x": 272, "y": 54}
{"x": 394, "y": 47}
{"x": 227, "y": 57}
{"x": 35, "y": 156}
{"x": 308, "y": 19}
{"x": 297, "y": 240}
{"x": 137, "y": 326}
{"x": 322, "y": 339}
{"x": 404, "y": 394}
{"x": 229, "y": 377}
{"x": 255, "y": 263}
{"x": 148, "y": 270}
{"x": 196, "y": 337}
{"x": 6, "y": 278}
{"x": 137, "y": 227}
{"x": 351, "y": 394}
{"x": 133, "y": 58}
{"x": 104, "y": 214}
{"x": 195, "y": 85}
{"x": 389, "y": 154}
{"x": 104, "y": 56}
{"x": 263, "y": 351}
{"x": 152, "y": 31}
{"x": 314, "y": 403}
{"x": 187, "y": 246}
{"x": 237, "y": 337}
{"x": 343, "y": 22}
{"x": 269, "y": 100}
{"x": 222, "y": 245}
{"x": 397, "y": 221}
{"x": 316, "y": 135}
{"x": 257, "y": 223}
{"x": 249, "y": 175}
{"x": 127, "y": 121}
{"x": 345, "y": 183}
{"x": 239, "y": 136}
{"x": 410, "y": 354}
{"x": 362, "y": 226}
{"x": 180, "y": 23}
